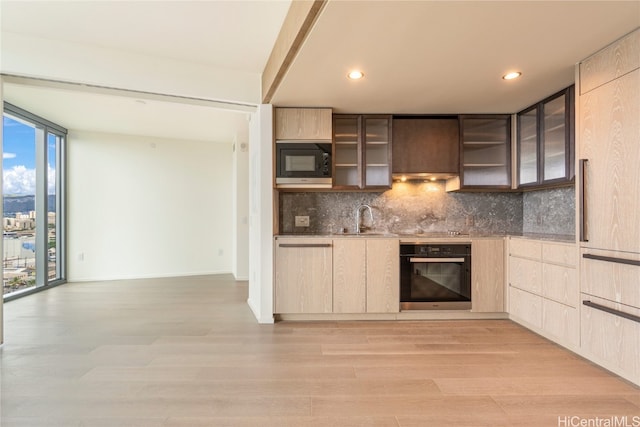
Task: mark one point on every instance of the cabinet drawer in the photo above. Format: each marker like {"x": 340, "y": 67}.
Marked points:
{"x": 525, "y": 306}
{"x": 562, "y": 322}
{"x": 611, "y": 280}
{"x": 560, "y": 254}
{"x": 525, "y": 274}
{"x": 611, "y": 340}
{"x": 560, "y": 284}
{"x": 525, "y": 248}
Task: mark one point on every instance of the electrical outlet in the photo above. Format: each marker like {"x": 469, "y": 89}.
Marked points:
{"x": 302, "y": 220}
{"x": 469, "y": 221}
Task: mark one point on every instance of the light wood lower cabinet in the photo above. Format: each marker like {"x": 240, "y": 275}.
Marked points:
{"x": 349, "y": 276}
{"x": 487, "y": 275}
{"x": 303, "y": 276}
{"x": 525, "y": 306}
{"x": 366, "y": 276}
{"x": 345, "y": 275}
{"x": 611, "y": 340}
{"x": 543, "y": 288}
{"x": 383, "y": 276}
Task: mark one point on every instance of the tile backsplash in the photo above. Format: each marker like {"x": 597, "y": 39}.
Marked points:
{"x": 549, "y": 211}
{"x": 426, "y": 207}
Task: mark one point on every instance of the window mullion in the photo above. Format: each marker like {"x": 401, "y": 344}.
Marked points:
{"x": 41, "y": 206}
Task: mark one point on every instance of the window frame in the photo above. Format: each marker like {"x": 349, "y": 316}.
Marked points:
{"x": 45, "y": 127}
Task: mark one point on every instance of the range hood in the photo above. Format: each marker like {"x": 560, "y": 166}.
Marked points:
{"x": 422, "y": 176}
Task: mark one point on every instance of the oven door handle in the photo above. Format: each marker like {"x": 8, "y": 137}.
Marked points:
{"x": 436, "y": 259}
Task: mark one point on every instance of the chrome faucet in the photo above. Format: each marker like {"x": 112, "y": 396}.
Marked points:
{"x": 358, "y": 211}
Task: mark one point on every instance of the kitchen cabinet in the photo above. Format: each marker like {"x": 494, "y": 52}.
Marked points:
{"x": 341, "y": 275}
{"x": 611, "y": 310}
{"x": 610, "y": 189}
{"x": 485, "y": 152}
{"x": 546, "y": 140}
{"x": 426, "y": 145}
{"x": 487, "y": 275}
{"x": 383, "y": 276}
{"x": 303, "y": 124}
{"x": 608, "y": 203}
{"x": 349, "y": 276}
{"x": 610, "y": 340}
{"x": 543, "y": 288}
{"x": 366, "y": 275}
{"x": 303, "y": 275}
{"x": 362, "y": 152}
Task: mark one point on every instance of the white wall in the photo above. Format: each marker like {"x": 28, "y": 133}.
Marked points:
{"x": 147, "y": 207}
{"x": 240, "y": 192}
{"x": 261, "y": 214}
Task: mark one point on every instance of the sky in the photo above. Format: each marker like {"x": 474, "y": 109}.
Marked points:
{"x": 18, "y": 158}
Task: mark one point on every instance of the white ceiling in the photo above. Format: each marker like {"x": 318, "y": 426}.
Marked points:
{"x": 230, "y": 35}
{"x": 448, "y": 56}
{"x": 418, "y": 56}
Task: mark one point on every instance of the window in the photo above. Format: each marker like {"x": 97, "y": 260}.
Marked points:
{"x": 33, "y": 202}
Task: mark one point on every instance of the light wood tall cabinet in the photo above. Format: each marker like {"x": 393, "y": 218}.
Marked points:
{"x": 609, "y": 156}
{"x": 608, "y": 203}
{"x": 303, "y": 124}
{"x": 303, "y": 275}
{"x": 487, "y": 274}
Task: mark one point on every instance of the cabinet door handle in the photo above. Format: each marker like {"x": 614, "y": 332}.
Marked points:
{"x": 435, "y": 260}
{"x": 612, "y": 259}
{"x": 305, "y": 245}
{"x": 582, "y": 196}
{"x": 612, "y": 311}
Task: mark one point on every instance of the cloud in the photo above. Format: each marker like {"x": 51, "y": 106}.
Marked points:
{"x": 8, "y": 155}
{"x": 21, "y": 180}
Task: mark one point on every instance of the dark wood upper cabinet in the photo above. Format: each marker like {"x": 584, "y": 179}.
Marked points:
{"x": 423, "y": 144}
{"x": 546, "y": 142}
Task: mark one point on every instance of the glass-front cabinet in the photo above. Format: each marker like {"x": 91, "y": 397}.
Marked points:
{"x": 362, "y": 151}
{"x": 545, "y": 141}
{"x": 485, "y": 151}
{"x": 347, "y": 151}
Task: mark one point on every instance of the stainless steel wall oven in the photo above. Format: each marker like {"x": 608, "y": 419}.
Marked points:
{"x": 435, "y": 276}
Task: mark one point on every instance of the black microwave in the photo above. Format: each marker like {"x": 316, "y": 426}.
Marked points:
{"x": 303, "y": 164}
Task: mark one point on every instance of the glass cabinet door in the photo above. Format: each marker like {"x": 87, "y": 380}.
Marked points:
{"x": 376, "y": 151}
{"x": 347, "y": 154}
{"x": 554, "y": 149}
{"x": 486, "y": 154}
{"x": 545, "y": 141}
{"x": 528, "y": 147}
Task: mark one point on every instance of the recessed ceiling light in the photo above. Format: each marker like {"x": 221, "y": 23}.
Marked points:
{"x": 355, "y": 75}
{"x": 512, "y": 75}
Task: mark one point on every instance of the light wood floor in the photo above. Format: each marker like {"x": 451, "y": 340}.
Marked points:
{"x": 188, "y": 352}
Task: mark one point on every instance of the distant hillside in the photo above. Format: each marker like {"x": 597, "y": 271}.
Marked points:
{"x": 14, "y": 204}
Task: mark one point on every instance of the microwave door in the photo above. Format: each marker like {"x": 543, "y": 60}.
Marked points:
{"x": 299, "y": 163}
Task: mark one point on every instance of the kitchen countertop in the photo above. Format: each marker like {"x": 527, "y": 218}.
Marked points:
{"x": 440, "y": 236}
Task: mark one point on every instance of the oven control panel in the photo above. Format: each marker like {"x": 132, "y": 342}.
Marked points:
{"x": 435, "y": 250}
